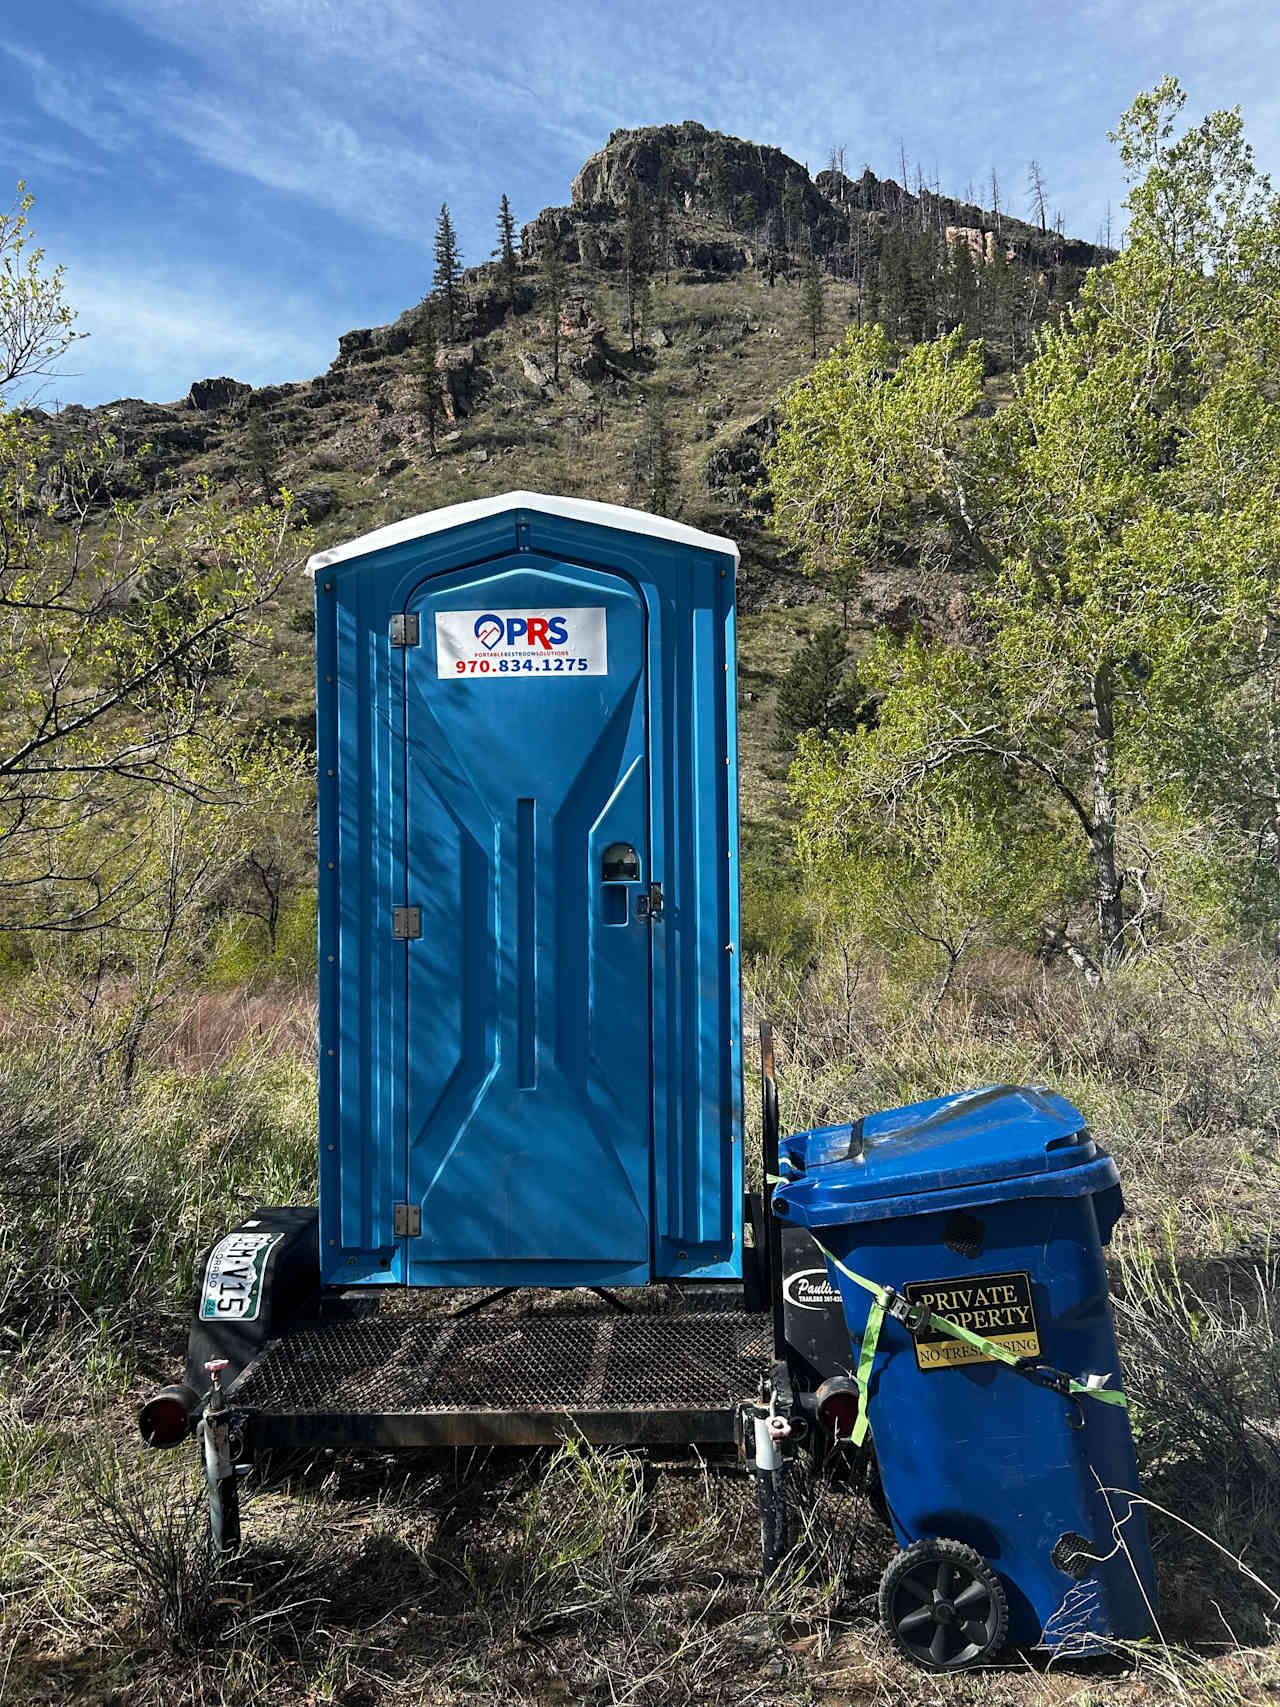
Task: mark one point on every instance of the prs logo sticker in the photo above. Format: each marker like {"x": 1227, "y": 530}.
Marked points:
{"x": 513, "y": 645}
{"x": 997, "y": 1306}
{"x": 233, "y": 1277}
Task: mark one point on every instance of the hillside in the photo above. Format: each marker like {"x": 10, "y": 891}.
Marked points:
{"x": 729, "y": 227}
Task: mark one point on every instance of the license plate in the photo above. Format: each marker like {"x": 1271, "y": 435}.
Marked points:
{"x": 233, "y": 1276}
{"x": 999, "y": 1307}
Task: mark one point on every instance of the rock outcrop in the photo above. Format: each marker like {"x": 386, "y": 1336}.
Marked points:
{"x": 214, "y": 394}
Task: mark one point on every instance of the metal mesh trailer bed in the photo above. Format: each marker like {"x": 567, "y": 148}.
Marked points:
{"x": 610, "y": 1376}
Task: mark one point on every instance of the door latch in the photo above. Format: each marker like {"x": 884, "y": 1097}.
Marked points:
{"x": 650, "y": 906}
{"x": 406, "y": 1222}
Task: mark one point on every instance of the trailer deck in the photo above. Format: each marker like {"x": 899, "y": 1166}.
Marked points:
{"x": 521, "y": 1375}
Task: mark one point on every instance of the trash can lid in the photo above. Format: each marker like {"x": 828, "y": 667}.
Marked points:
{"x": 997, "y": 1133}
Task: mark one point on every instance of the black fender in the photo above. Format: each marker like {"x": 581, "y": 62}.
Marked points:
{"x": 254, "y": 1283}
{"x": 818, "y": 1343}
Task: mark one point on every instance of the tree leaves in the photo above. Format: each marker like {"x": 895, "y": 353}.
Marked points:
{"x": 1122, "y": 514}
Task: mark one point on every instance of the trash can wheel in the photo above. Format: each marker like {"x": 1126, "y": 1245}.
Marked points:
{"x": 943, "y": 1606}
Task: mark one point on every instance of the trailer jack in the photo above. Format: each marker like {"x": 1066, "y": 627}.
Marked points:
{"x": 214, "y": 1434}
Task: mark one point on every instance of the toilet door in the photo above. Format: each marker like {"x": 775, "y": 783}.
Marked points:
{"x": 529, "y": 1047}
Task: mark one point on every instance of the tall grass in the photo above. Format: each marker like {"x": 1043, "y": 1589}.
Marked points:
{"x": 106, "y": 1200}
{"x": 590, "y": 1576}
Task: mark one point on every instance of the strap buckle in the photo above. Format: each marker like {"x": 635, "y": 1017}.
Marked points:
{"x": 1056, "y": 1380}
{"x": 913, "y": 1317}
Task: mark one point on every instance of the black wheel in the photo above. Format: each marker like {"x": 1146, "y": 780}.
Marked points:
{"x": 943, "y": 1606}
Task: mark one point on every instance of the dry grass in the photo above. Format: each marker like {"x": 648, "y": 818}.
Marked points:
{"x": 607, "y": 1577}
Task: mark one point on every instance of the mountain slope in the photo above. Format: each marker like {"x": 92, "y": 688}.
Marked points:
{"x": 729, "y": 228}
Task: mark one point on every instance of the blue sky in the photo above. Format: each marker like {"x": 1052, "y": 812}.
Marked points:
{"x": 232, "y": 183}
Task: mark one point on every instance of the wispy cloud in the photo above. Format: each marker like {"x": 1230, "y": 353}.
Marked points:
{"x": 71, "y": 100}
{"x": 154, "y": 327}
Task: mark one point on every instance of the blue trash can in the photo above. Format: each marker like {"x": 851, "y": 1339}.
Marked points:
{"x": 1006, "y": 1481}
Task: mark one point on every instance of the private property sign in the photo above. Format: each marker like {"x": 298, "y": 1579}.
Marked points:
{"x": 997, "y": 1306}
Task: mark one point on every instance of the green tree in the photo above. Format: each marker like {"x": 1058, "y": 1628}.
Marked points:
{"x": 261, "y": 450}
{"x": 508, "y": 266}
{"x": 553, "y": 281}
{"x": 813, "y": 303}
{"x": 36, "y": 325}
{"x": 818, "y": 693}
{"x": 135, "y": 685}
{"x": 1123, "y": 514}
{"x": 430, "y": 379}
{"x": 637, "y": 254}
{"x": 448, "y": 274}
{"x": 963, "y": 280}
{"x": 655, "y": 476}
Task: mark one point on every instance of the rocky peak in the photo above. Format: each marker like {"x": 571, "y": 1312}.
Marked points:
{"x": 704, "y": 171}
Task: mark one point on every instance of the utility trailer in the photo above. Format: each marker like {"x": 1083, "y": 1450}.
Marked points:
{"x": 532, "y": 1221}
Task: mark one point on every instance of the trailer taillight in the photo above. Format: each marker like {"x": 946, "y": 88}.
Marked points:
{"x": 165, "y": 1419}
{"x": 838, "y": 1406}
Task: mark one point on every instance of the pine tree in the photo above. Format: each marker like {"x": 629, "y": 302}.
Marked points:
{"x": 921, "y": 307}
{"x": 818, "y": 692}
{"x": 448, "y": 267}
{"x": 261, "y": 451}
{"x": 964, "y": 285}
{"x": 430, "y": 381}
{"x": 508, "y": 266}
{"x": 869, "y": 301}
{"x": 644, "y": 312}
{"x": 553, "y": 279}
{"x": 654, "y": 472}
{"x": 637, "y": 254}
{"x": 812, "y": 303}
{"x": 998, "y": 283}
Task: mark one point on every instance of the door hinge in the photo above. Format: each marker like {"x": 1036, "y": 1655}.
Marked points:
{"x": 406, "y": 923}
{"x": 404, "y": 628}
{"x": 407, "y": 1220}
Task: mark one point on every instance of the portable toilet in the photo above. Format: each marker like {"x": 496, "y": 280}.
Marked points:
{"x": 529, "y": 1012}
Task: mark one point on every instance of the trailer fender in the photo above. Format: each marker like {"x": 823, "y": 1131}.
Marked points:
{"x": 254, "y": 1282}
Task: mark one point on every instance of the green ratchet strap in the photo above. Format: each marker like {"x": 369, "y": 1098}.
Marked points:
{"x": 866, "y": 1357}
{"x": 887, "y": 1301}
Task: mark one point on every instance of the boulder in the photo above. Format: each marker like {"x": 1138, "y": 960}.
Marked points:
{"x": 215, "y": 394}
{"x": 314, "y": 503}
{"x": 736, "y": 470}
{"x": 535, "y": 371}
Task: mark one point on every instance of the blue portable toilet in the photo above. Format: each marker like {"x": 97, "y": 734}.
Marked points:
{"x": 529, "y": 1021}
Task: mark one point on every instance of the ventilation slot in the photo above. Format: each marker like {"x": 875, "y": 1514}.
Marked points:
{"x": 964, "y": 1233}
{"x": 1074, "y": 1554}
